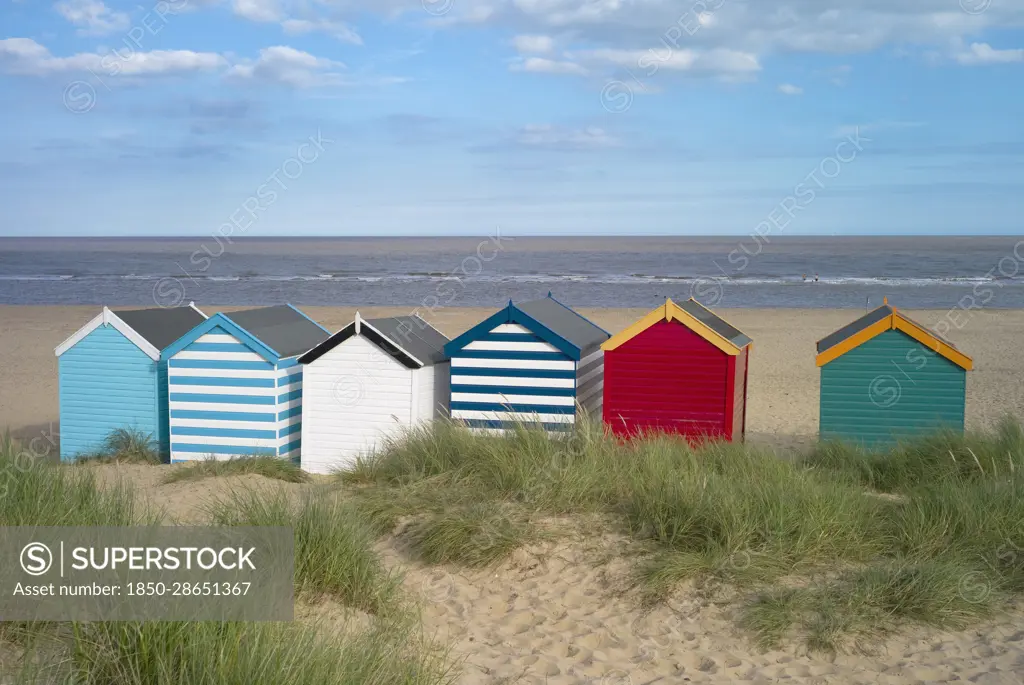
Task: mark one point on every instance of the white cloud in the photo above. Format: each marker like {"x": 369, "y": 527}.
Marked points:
{"x": 645, "y": 63}
{"x": 27, "y": 57}
{"x": 258, "y": 10}
{"x": 282, "y": 12}
{"x": 279, "y": 65}
{"x": 649, "y": 62}
{"x": 790, "y": 89}
{"x": 337, "y": 29}
{"x": 534, "y": 44}
{"x": 93, "y": 17}
{"x": 983, "y": 53}
{"x": 543, "y": 65}
{"x": 570, "y": 12}
{"x": 753, "y": 28}
{"x": 285, "y": 65}
{"x": 547, "y": 136}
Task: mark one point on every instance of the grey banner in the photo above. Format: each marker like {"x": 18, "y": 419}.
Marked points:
{"x": 159, "y": 573}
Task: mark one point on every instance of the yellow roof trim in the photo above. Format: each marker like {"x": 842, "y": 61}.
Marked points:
{"x": 853, "y": 341}
{"x": 635, "y": 329}
{"x": 667, "y": 312}
{"x": 896, "y": 321}
{"x": 931, "y": 342}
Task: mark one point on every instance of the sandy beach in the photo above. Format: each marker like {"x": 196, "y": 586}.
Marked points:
{"x": 783, "y": 392}
{"x": 558, "y": 611}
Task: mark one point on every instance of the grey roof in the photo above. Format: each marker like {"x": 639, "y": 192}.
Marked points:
{"x": 925, "y": 328}
{"x": 855, "y": 327}
{"x": 872, "y": 317}
{"x": 162, "y": 326}
{"x": 284, "y": 329}
{"x": 410, "y": 333}
{"x": 566, "y": 323}
{"x": 715, "y": 323}
{"x": 415, "y": 336}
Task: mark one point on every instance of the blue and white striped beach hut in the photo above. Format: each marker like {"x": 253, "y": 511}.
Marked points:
{"x": 536, "y": 362}
{"x": 236, "y": 384}
{"x": 112, "y": 376}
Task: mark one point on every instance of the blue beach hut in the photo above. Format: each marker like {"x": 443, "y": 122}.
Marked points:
{"x": 236, "y": 384}
{"x": 533, "y": 363}
{"x": 112, "y": 375}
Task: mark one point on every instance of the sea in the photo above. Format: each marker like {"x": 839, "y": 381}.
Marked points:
{"x": 492, "y": 268}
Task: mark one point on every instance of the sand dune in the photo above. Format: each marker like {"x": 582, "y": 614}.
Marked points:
{"x": 561, "y": 612}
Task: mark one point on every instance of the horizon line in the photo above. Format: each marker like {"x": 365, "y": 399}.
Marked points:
{"x": 767, "y": 238}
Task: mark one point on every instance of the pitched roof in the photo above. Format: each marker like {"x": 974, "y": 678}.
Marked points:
{"x": 414, "y": 335}
{"x": 851, "y": 329}
{"x": 565, "y": 322}
{"x": 715, "y": 322}
{"x": 549, "y": 319}
{"x": 284, "y": 329}
{"x": 161, "y": 327}
{"x": 151, "y": 330}
{"x": 694, "y": 316}
{"x": 415, "y": 342}
{"x": 878, "y": 321}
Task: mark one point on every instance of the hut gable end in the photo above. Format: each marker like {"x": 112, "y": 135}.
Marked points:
{"x": 879, "y": 321}
{"x": 236, "y": 386}
{"x": 667, "y": 378}
{"x": 106, "y": 382}
{"x": 532, "y": 363}
{"x": 692, "y": 315}
{"x": 890, "y": 387}
{"x": 408, "y": 339}
{"x": 111, "y": 375}
{"x": 367, "y": 384}
{"x": 547, "y": 319}
{"x": 677, "y": 370}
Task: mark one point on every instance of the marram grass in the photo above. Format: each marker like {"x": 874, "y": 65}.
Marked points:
{"x": 334, "y": 553}
{"x": 334, "y": 557}
{"x": 943, "y": 549}
{"x": 277, "y": 468}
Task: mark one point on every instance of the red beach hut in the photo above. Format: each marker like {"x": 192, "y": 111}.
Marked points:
{"x": 680, "y": 369}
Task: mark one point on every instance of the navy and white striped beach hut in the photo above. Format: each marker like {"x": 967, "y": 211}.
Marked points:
{"x": 236, "y": 384}
{"x": 534, "y": 362}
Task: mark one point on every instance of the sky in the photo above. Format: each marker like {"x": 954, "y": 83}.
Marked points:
{"x": 540, "y": 117}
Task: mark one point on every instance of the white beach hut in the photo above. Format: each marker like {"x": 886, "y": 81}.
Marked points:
{"x": 371, "y": 380}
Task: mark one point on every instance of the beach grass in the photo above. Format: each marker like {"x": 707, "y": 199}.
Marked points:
{"x": 477, "y": 535}
{"x": 37, "y": 493}
{"x": 211, "y": 653}
{"x": 268, "y": 466}
{"x": 125, "y": 446}
{"x": 334, "y": 555}
{"x": 842, "y": 545}
{"x": 862, "y": 606}
{"x": 934, "y": 457}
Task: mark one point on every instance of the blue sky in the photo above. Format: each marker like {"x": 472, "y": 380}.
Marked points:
{"x": 410, "y": 117}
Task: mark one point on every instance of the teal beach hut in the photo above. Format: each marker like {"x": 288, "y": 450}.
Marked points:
{"x": 112, "y": 375}
{"x": 236, "y": 384}
{"x": 885, "y": 377}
